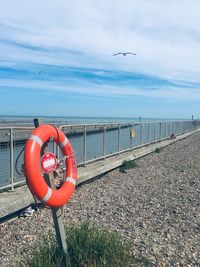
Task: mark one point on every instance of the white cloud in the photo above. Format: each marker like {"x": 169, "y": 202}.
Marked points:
{"x": 102, "y": 89}
{"x": 164, "y": 34}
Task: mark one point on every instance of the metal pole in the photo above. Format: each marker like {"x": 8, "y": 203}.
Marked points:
{"x": 165, "y": 130}
{"x": 56, "y": 212}
{"x": 132, "y": 138}
{"x": 160, "y": 129}
{"x": 85, "y": 144}
{"x": 11, "y": 160}
{"x": 57, "y": 219}
{"x": 119, "y": 139}
{"x": 104, "y": 141}
{"x": 154, "y": 132}
{"x": 140, "y": 133}
{"x": 148, "y": 134}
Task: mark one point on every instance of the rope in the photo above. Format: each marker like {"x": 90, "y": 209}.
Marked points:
{"x": 16, "y": 161}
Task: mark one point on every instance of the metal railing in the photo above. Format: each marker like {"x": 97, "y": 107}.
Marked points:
{"x": 91, "y": 142}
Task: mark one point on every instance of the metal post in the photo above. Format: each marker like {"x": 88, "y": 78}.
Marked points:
{"x": 56, "y": 212}
{"x": 154, "y": 132}
{"x": 104, "y": 141}
{"x": 165, "y": 132}
{"x": 132, "y": 138}
{"x": 119, "y": 139}
{"x": 57, "y": 219}
{"x": 12, "y": 160}
{"x": 85, "y": 144}
{"x": 160, "y": 129}
{"x": 141, "y": 134}
{"x": 148, "y": 134}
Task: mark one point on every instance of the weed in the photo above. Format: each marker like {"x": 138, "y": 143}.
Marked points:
{"x": 128, "y": 164}
{"x": 158, "y": 150}
{"x": 88, "y": 246}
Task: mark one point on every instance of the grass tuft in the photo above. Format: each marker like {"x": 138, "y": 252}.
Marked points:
{"x": 128, "y": 164}
{"x": 91, "y": 246}
{"x": 46, "y": 254}
{"x": 158, "y": 150}
{"x": 88, "y": 246}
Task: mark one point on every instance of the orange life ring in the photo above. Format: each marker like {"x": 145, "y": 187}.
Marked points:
{"x": 32, "y": 158}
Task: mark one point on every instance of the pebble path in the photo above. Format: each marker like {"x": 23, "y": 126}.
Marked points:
{"x": 155, "y": 205}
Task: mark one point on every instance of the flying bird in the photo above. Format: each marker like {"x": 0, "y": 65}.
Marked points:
{"x": 124, "y": 54}
{"x": 41, "y": 72}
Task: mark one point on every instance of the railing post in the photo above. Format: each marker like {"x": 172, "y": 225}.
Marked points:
{"x": 148, "y": 133}
{"x": 132, "y": 138}
{"x": 12, "y": 159}
{"x": 154, "y": 133}
{"x": 119, "y": 139}
{"x": 160, "y": 129}
{"x": 85, "y": 144}
{"x": 140, "y": 134}
{"x": 104, "y": 142}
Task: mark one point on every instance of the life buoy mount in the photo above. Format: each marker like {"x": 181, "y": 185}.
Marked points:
{"x": 32, "y": 161}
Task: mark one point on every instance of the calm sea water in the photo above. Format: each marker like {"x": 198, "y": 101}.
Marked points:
{"x": 77, "y": 120}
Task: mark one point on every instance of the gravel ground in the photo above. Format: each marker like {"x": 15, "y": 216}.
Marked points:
{"x": 156, "y": 205}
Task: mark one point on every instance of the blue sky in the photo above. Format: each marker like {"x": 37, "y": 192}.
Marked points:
{"x": 56, "y": 58}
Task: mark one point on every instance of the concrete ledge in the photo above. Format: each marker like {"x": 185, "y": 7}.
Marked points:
{"x": 21, "y": 197}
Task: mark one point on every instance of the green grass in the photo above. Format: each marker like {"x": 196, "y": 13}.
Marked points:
{"x": 158, "y": 150}
{"x": 88, "y": 246}
{"x": 45, "y": 254}
{"x": 128, "y": 164}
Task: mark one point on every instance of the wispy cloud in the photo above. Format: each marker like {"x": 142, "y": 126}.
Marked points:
{"x": 94, "y": 82}
{"x": 73, "y": 43}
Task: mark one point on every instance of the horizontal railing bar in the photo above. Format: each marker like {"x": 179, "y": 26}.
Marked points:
{"x": 22, "y": 182}
{"x": 93, "y": 124}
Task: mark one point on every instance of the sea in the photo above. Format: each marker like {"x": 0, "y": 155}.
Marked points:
{"x": 27, "y": 120}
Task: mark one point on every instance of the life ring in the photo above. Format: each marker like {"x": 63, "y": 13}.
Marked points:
{"x": 32, "y": 161}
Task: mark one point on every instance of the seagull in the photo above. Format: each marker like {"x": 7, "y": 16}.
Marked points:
{"x": 124, "y": 53}
{"x": 41, "y": 72}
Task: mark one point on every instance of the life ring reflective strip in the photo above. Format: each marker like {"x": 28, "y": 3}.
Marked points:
{"x": 32, "y": 157}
